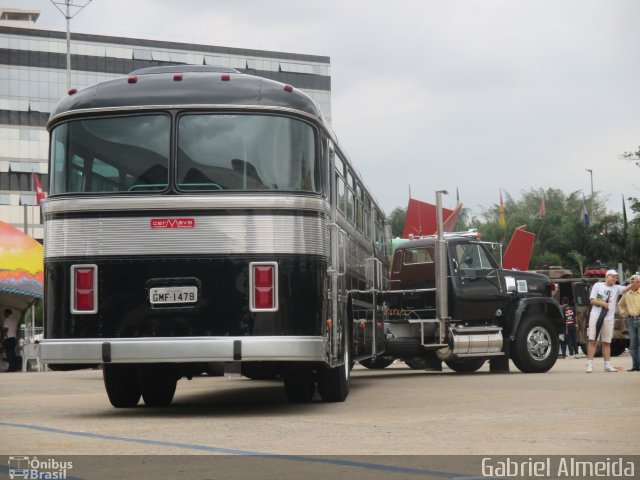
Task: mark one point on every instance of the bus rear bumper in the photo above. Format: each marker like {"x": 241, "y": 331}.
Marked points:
{"x": 184, "y": 349}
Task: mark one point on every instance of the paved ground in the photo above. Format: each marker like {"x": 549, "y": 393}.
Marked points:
{"x": 392, "y": 412}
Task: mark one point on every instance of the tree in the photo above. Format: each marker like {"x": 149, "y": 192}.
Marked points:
{"x": 396, "y": 220}
{"x": 561, "y": 234}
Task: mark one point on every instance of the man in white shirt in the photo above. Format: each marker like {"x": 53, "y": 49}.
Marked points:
{"x": 604, "y": 298}
{"x": 10, "y": 331}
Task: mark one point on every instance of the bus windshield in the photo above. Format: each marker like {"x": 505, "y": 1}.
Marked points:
{"x": 115, "y": 154}
{"x": 246, "y": 152}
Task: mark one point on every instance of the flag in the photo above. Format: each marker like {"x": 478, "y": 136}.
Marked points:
{"x": 584, "y": 214}
{"x": 40, "y": 195}
{"x": 502, "y": 220}
{"x": 624, "y": 217}
{"x": 542, "y": 209}
{"x": 457, "y": 196}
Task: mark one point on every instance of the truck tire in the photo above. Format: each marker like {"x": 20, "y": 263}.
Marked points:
{"x": 157, "y": 384}
{"x": 299, "y": 386}
{"x": 535, "y": 349}
{"x": 333, "y": 383}
{"x": 121, "y": 384}
{"x": 465, "y": 365}
{"x": 617, "y": 347}
{"x": 416, "y": 363}
{"x": 378, "y": 363}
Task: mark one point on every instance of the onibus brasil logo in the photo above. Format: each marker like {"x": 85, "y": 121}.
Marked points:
{"x": 33, "y": 468}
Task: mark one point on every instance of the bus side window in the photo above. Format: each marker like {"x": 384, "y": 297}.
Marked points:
{"x": 340, "y": 192}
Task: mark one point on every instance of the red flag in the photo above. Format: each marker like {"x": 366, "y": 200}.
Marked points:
{"x": 40, "y": 195}
{"x": 542, "y": 208}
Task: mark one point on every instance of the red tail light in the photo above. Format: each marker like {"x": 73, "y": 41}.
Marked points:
{"x": 263, "y": 283}
{"x": 84, "y": 293}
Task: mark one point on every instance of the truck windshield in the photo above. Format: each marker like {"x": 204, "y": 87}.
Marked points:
{"x": 473, "y": 256}
{"x": 246, "y": 152}
{"x": 115, "y": 154}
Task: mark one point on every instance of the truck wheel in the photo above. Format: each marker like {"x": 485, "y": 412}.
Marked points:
{"x": 157, "y": 384}
{"x": 535, "y": 349}
{"x": 598, "y": 352}
{"x": 465, "y": 365}
{"x": 121, "y": 383}
{"x": 333, "y": 383}
{"x": 617, "y": 347}
{"x": 299, "y": 386}
{"x": 377, "y": 363}
{"x": 416, "y": 363}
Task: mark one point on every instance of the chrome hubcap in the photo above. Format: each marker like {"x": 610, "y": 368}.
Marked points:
{"x": 539, "y": 343}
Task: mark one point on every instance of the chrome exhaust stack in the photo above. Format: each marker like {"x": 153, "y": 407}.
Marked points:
{"x": 442, "y": 297}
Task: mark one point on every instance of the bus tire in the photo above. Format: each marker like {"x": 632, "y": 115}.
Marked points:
{"x": 536, "y": 347}
{"x": 121, "y": 384}
{"x": 333, "y": 383}
{"x": 465, "y": 365}
{"x": 157, "y": 384}
{"x": 299, "y": 386}
{"x": 377, "y": 363}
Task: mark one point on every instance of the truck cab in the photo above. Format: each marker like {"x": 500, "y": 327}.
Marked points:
{"x": 492, "y": 313}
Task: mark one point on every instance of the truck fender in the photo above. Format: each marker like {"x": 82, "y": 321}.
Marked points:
{"x": 548, "y": 306}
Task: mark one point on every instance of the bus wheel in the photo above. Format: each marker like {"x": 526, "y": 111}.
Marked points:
{"x": 121, "y": 383}
{"x": 299, "y": 386}
{"x": 333, "y": 383}
{"x": 157, "y": 384}
{"x": 465, "y": 365}
{"x": 377, "y": 363}
{"x": 536, "y": 346}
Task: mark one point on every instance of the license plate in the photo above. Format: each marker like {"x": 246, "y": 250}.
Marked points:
{"x": 170, "y": 295}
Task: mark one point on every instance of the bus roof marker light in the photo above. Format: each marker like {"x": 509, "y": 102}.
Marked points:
{"x": 72, "y": 91}
{"x": 177, "y": 77}
{"x": 288, "y": 88}
{"x": 132, "y": 79}
{"x": 225, "y": 77}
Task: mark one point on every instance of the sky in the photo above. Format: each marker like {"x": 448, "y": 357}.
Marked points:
{"x": 481, "y": 95}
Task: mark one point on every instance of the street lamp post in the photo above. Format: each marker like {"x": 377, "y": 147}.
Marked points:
{"x": 591, "y": 174}
{"x": 67, "y": 4}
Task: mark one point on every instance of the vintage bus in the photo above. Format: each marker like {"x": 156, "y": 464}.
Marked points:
{"x": 199, "y": 215}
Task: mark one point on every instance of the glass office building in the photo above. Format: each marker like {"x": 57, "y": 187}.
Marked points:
{"x": 33, "y": 78}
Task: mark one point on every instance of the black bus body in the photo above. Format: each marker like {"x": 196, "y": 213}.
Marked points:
{"x": 201, "y": 215}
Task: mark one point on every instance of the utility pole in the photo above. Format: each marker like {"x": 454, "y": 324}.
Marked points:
{"x": 591, "y": 174}
{"x": 64, "y": 7}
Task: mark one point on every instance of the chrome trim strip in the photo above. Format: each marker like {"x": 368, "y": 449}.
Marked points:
{"x": 184, "y": 349}
{"x": 217, "y": 234}
{"x": 199, "y": 106}
{"x": 109, "y": 203}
